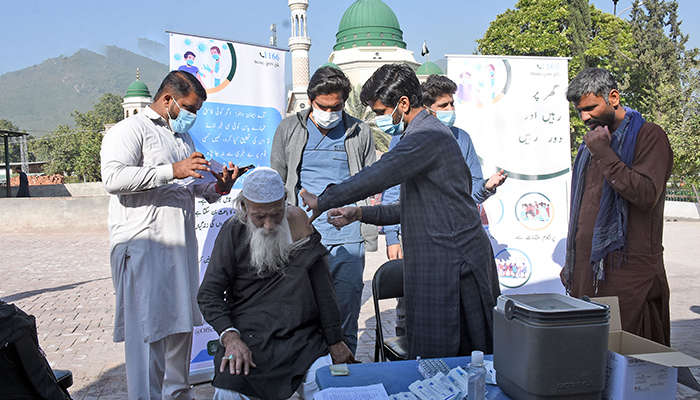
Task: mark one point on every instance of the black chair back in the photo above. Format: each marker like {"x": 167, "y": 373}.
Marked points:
{"x": 386, "y": 284}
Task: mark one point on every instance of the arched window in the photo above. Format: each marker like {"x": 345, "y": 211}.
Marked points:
{"x": 136, "y": 111}
{"x": 126, "y": 114}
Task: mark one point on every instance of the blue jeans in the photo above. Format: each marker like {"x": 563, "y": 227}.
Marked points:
{"x": 347, "y": 263}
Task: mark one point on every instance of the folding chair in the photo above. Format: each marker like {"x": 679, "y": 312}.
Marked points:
{"x": 386, "y": 284}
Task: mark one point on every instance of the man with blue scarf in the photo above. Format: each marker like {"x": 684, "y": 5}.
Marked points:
{"x": 618, "y": 189}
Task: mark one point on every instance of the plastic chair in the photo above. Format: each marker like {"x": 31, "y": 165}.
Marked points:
{"x": 386, "y": 284}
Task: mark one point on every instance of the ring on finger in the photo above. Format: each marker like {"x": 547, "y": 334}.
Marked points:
{"x": 231, "y": 357}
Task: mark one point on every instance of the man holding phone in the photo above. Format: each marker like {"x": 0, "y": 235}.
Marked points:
{"x": 320, "y": 146}
{"x": 151, "y": 169}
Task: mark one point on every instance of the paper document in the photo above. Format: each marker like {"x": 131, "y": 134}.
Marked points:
{"x": 371, "y": 392}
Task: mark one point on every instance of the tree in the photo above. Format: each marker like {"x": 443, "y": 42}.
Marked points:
{"x": 663, "y": 81}
{"x": 360, "y": 111}
{"x": 77, "y": 151}
{"x": 578, "y": 32}
{"x": 609, "y": 47}
{"x": 8, "y": 126}
{"x": 534, "y": 28}
{"x": 14, "y": 147}
{"x": 562, "y": 28}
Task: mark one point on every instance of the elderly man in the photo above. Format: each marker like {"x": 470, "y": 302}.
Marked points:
{"x": 320, "y": 146}
{"x": 448, "y": 263}
{"x": 268, "y": 293}
{"x": 614, "y": 246}
{"x": 150, "y": 166}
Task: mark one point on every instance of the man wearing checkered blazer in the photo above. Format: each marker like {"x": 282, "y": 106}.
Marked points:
{"x": 448, "y": 262}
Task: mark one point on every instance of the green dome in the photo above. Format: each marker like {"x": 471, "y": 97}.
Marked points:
{"x": 137, "y": 89}
{"x": 330, "y": 64}
{"x": 368, "y": 23}
{"x": 429, "y": 68}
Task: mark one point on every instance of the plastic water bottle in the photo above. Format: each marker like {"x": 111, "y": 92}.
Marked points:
{"x": 477, "y": 377}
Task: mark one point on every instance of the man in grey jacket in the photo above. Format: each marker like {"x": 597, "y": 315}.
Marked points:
{"x": 318, "y": 147}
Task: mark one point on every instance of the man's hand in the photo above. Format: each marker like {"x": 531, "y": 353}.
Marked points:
{"x": 496, "y": 180}
{"x": 190, "y": 165}
{"x": 394, "y": 252}
{"x": 339, "y": 217}
{"x": 341, "y": 354}
{"x": 225, "y": 180}
{"x": 310, "y": 200}
{"x": 237, "y": 355}
{"x": 597, "y": 139}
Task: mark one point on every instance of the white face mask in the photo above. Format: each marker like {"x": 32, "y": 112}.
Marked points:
{"x": 326, "y": 119}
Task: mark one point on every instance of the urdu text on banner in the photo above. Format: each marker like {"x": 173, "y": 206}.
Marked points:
{"x": 245, "y": 103}
{"x": 516, "y": 112}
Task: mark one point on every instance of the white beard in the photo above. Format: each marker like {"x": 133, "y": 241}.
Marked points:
{"x": 269, "y": 250}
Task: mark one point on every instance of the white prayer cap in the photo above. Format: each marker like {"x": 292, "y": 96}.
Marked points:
{"x": 263, "y": 185}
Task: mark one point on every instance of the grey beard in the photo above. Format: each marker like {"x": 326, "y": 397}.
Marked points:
{"x": 269, "y": 251}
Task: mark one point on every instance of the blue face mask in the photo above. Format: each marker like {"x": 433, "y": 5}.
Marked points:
{"x": 184, "y": 121}
{"x": 190, "y": 62}
{"x": 446, "y": 117}
{"x": 215, "y": 56}
{"x": 386, "y": 123}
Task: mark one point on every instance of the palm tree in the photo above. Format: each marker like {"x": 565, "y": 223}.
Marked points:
{"x": 360, "y": 111}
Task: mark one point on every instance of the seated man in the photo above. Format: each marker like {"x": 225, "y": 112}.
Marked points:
{"x": 269, "y": 294}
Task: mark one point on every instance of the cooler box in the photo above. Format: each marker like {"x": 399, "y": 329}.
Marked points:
{"x": 550, "y": 346}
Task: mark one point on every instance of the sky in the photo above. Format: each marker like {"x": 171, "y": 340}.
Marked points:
{"x": 33, "y": 31}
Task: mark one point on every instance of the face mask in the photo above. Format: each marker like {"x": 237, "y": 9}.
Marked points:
{"x": 386, "y": 123}
{"x": 190, "y": 62}
{"x": 326, "y": 119}
{"x": 446, "y": 117}
{"x": 184, "y": 121}
{"x": 215, "y": 56}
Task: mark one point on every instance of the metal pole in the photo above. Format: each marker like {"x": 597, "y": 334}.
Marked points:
{"x": 7, "y": 167}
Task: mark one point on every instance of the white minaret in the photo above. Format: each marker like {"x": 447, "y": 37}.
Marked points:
{"x": 137, "y": 97}
{"x": 299, "y": 44}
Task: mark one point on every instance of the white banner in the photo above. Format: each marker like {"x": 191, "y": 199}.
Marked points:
{"x": 515, "y": 110}
{"x": 245, "y": 103}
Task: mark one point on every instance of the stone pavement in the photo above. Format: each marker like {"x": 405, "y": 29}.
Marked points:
{"x": 63, "y": 279}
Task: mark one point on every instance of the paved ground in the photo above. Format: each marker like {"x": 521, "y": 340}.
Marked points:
{"x": 63, "y": 278}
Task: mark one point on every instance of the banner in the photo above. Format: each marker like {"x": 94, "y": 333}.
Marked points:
{"x": 245, "y": 103}
{"x": 516, "y": 112}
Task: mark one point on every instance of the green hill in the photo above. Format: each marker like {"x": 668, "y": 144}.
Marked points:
{"x": 41, "y": 97}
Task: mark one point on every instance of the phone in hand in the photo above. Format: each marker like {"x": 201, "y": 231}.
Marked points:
{"x": 249, "y": 166}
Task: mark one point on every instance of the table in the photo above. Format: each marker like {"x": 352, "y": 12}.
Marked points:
{"x": 394, "y": 375}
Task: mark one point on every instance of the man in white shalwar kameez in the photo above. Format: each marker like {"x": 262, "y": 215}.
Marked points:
{"x": 151, "y": 169}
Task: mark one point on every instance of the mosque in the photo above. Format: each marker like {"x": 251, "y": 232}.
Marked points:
{"x": 369, "y": 36}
